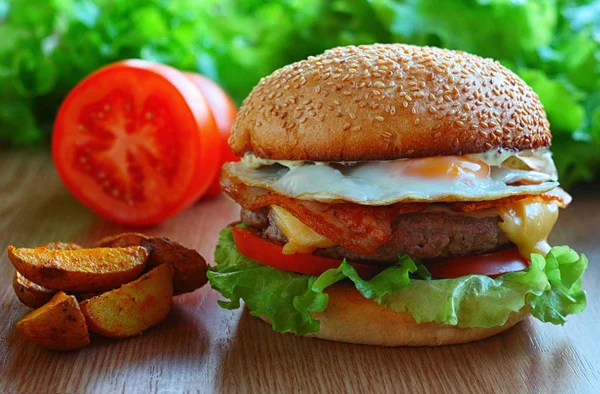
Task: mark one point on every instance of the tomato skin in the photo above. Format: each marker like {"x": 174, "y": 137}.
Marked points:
{"x": 224, "y": 111}
{"x": 174, "y": 162}
{"x": 492, "y": 264}
{"x": 256, "y": 248}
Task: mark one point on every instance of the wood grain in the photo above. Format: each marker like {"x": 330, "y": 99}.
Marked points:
{"x": 203, "y": 348}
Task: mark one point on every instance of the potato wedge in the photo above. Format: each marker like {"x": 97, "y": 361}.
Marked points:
{"x": 189, "y": 267}
{"x": 29, "y": 293}
{"x": 81, "y": 270}
{"x": 58, "y": 325}
{"x": 32, "y": 294}
{"x": 132, "y": 308}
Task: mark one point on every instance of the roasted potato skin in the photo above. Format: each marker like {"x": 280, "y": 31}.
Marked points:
{"x": 57, "y": 325}
{"x": 132, "y": 308}
{"x": 29, "y": 293}
{"x": 188, "y": 265}
{"x": 58, "y": 245}
{"x": 122, "y": 240}
{"x": 81, "y": 270}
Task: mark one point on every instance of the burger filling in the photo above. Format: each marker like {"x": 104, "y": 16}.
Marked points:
{"x": 476, "y": 244}
{"x": 421, "y": 235}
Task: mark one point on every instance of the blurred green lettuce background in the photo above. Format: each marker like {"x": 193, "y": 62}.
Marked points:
{"x": 47, "y": 46}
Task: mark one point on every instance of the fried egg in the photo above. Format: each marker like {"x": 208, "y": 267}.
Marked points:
{"x": 486, "y": 176}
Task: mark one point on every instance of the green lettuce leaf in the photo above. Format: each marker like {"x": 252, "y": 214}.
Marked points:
{"x": 551, "y": 287}
{"x": 284, "y": 297}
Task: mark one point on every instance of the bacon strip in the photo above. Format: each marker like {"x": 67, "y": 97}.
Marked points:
{"x": 356, "y": 227}
{"x": 359, "y": 228}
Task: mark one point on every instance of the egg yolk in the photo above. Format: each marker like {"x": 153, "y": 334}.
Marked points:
{"x": 447, "y": 167}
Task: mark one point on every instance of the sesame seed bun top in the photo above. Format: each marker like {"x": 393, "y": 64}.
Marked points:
{"x": 388, "y": 101}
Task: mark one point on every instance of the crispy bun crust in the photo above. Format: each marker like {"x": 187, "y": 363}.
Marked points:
{"x": 351, "y": 318}
{"x": 388, "y": 101}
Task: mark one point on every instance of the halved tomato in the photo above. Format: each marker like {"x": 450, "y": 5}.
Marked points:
{"x": 135, "y": 142}
{"x": 256, "y": 248}
{"x": 492, "y": 264}
{"x": 224, "y": 111}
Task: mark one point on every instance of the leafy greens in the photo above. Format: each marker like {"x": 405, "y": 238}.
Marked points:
{"x": 46, "y": 47}
{"x": 551, "y": 287}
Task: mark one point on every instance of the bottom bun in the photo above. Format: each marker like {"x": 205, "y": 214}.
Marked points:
{"x": 351, "y": 318}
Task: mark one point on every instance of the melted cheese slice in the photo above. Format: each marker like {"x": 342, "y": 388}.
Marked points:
{"x": 301, "y": 238}
{"x": 528, "y": 224}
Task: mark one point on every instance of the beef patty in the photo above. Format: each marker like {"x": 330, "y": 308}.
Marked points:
{"x": 422, "y": 235}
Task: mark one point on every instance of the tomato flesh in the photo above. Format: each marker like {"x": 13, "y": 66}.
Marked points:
{"x": 256, "y": 248}
{"x": 492, "y": 264}
{"x": 224, "y": 111}
{"x": 135, "y": 142}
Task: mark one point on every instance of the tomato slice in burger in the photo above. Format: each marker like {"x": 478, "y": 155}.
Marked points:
{"x": 492, "y": 264}
{"x": 224, "y": 111}
{"x": 135, "y": 142}
{"x": 256, "y": 248}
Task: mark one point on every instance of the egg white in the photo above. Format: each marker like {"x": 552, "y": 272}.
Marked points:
{"x": 374, "y": 183}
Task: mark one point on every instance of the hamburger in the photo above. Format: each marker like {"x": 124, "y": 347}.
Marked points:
{"x": 395, "y": 195}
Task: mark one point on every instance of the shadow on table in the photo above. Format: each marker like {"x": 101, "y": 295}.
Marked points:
{"x": 180, "y": 343}
{"x": 272, "y": 362}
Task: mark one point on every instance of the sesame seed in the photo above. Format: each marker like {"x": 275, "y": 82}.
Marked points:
{"x": 379, "y": 118}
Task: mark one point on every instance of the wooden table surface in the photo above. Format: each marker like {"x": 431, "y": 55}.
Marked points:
{"x": 203, "y": 348}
